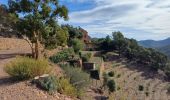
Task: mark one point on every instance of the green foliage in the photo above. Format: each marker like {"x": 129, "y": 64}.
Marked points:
{"x": 111, "y": 85}
{"x": 49, "y": 83}
{"x": 105, "y": 43}
{"x": 86, "y": 57}
{"x": 77, "y": 77}
{"x": 111, "y": 73}
{"x": 66, "y": 88}
{"x": 23, "y": 68}
{"x": 77, "y": 44}
{"x": 38, "y": 23}
{"x": 118, "y": 88}
{"x": 130, "y": 49}
{"x": 140, "y": 88}
{"x": 73, "y": 32}
{"x": 165, "y": 50}
{"x": 8, "y": 22}
{"x": 62, "y": 56}
{"x": 58, "y": 38}
{"x": 105, "y": 79}
{"x": 119, "y": 41}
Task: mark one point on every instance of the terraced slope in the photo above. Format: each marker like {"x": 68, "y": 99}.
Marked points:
{"x": 131, "y": 77}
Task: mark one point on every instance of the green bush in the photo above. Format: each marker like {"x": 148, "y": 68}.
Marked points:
{"x": 77, "y": 77}
{"x": 111, "y": 85}
{"x": 140, "y": 88}
{"x": 111, "y": 73}
{"x": 86, "y": 57}
{"x": 66, "y": 88}
{"x": 49, "y": 83}
{"x": 118, "y": 88}
{"x": 23, "y": 68}
{"x": 63, "y": 55}
{"x": 77, "y": 45}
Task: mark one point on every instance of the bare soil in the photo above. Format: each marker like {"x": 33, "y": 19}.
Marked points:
{"x": 12, "y": 90}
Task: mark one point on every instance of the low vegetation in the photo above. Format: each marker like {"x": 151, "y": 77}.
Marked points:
{"x": 86, "y": 57}
{"x": 111, "y": 85}
{"x": 62, "y": 56}
{"x": 49, "y": 83}
{"x": 22, "y": 68}
{"x": 66, "y": 88}
{"x": 78, "y": 78}
{"x": 77, "y": 45}
{"x": 111, "y": 73}
{"x": 140, "y": 88}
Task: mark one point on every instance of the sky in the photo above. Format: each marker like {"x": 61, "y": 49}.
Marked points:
{"x": 138, "y": 19}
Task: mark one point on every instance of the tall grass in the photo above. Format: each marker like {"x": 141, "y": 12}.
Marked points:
{"x": 22, "y": 68}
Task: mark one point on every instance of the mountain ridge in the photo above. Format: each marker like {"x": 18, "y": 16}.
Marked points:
{"x": 154, "y": 43}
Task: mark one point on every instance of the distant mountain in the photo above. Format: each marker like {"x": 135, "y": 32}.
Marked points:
{"x": 165, "y": 50}
{"x": 162, "y": 45}
{"x": 155, "y": 44}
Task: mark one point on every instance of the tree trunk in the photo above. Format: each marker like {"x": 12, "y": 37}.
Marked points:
{"x": 37, "y": 53}
{"x": 33, "y": 51}
{"x": 30, "y": 44}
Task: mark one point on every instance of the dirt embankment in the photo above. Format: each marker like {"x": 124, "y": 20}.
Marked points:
{"x": 13, "y": 44}
{"x": 9, "y": 90}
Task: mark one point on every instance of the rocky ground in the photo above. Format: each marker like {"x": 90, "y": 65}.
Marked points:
{"x": 12, "y": 90}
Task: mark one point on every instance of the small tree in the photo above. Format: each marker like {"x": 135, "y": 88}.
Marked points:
{"x": 77, "y": 45}
{"x": 120, "y": 41}
{"x": 111, "y": 85}
{"x": 38, "y": 21}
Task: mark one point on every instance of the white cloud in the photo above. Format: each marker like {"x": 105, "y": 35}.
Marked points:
{"x": 139, "y": 16}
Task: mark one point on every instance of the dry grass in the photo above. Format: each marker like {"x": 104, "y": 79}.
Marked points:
{"x": 23, "y": 68}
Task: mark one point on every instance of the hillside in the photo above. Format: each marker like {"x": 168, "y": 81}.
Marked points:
{"x": 165, "y": 50}
{"x": 154, "y": 44}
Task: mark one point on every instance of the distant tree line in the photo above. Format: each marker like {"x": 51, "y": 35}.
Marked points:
{"x": 130, "y": 49}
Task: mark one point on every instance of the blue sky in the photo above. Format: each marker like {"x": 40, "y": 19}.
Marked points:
{"x": 139, "y": 19}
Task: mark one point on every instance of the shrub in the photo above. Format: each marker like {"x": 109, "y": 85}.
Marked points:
{"x": 23, "y": 68}
{"x": 77, "y": 77}
{"x": 118, "y": 88}
{"x": 49, "y": 83}
{"x": 77, "y": 45}
{"x": 111, "y": 73}
{"x": 63, "y": 55}
{"x": 66, "y": 88}
{"x": 119, "y": 75}
{"x": 140, "y": 88}
{"x": 105, "y": 79}
{"x": 86, "y": 57}
{"x": 147, "y": 94}
{"x": 111, "y": 85}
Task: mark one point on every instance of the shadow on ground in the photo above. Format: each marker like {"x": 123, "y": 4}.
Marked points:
{"x": 12, "y": 55}
{"x": 5, "y": 81}
{"x": 147, "y": 72}
{"x": 101, "y": 98}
